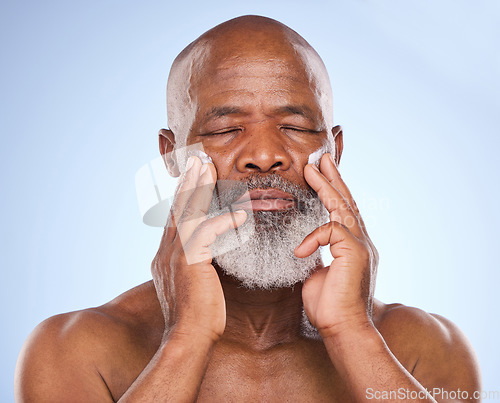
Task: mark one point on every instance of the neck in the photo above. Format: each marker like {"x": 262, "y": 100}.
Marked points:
{"x": 261, "y": 319}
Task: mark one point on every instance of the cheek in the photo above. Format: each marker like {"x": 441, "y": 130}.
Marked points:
{"x": 308, "y": 148}
{"x": 309, "y": 154}
{"x": 224, "y": 162}
{"x": 222, "y": 156}
{"x": 299, "y": 161}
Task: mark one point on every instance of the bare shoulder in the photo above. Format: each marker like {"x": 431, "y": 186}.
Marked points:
{"x": 74, "y": 356}
{"x": 432, "y": 348}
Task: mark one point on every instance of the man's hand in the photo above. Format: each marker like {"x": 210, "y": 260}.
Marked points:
{"x": 339, "y": 297}
{"x": 187, "y": 284}
{"x": 338, "y": 301}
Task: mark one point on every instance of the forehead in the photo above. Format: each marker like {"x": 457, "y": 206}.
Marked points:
{"x": 265, "y": 76}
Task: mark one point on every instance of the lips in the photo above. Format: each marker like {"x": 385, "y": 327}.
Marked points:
{"x": 265, "y": 200}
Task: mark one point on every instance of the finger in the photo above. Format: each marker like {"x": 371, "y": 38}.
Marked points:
{"x": 198, "y": 248}
{"x": 328, "y": 234}
{"x": 195, "y": 210}
{"x": 337, "y": 206}
{"x": 185, "y": 188}
{"x": 331, "y": 173}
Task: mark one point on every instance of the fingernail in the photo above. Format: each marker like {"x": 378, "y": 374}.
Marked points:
{"x": 189, "y": 163}
{"x": 331, "y": 159}
{"x": 315, "y": 167}
{"x": 237, "y": 213}
{"x": 203, "y": 169}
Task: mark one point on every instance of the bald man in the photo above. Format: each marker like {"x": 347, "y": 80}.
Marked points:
{"x": 241, "y": 307}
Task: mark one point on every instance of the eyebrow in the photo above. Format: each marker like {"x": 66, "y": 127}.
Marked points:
{"x": 301, "y": 110}
{"x": 221, "y": 111}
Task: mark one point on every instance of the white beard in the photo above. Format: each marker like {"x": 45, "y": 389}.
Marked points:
{"x": 259, "y": 253}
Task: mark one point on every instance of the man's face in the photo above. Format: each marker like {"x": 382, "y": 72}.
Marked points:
{"x": 255, "y": 114}
{"x": 258, "y": 115}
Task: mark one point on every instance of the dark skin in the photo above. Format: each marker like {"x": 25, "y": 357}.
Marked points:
{"x": 208, "y": 339}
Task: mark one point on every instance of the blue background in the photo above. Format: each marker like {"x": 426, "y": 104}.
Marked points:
{"x": 416, "y": 89}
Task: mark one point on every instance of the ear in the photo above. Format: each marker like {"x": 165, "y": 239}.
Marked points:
{"x": 339, "y": 143}
{"x": 167, "y": 144}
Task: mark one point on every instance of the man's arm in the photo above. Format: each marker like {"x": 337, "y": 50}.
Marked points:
{"x": 189, "y": 292}
{"x": 445, "y": 363}
{"x": 175, "y": 372}
{"x": 338, "y": 301}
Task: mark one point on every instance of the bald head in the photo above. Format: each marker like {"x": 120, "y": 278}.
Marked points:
{"x": 250, "y": 42}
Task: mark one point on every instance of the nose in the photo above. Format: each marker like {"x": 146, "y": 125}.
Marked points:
{"x": 263, "y": 151}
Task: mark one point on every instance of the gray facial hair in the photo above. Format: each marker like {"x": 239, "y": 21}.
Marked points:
{"x": 259, "y": 253}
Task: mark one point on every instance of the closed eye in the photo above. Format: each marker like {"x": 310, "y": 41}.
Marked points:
{"x": 300, "y": 129}
{"x": 231, "y": 130}
{"x": 235, "y": 130}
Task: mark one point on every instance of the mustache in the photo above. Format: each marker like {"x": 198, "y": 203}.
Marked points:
{"x": 227, "y": 192}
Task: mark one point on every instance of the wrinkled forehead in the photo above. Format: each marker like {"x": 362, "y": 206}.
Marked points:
{"x": 276, "y": 59}
{"x": 227, "y": 76}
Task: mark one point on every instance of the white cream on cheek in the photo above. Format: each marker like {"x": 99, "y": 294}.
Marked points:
{"x": 203, "y": 156}
{"x": 315, "y": 156}
{"x": 182, "y": 155}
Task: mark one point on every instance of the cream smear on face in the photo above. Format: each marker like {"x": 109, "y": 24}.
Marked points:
{"x": 182, "y": 155}
{"x": 315, "y": 156}
{"x": 204, "y": 157}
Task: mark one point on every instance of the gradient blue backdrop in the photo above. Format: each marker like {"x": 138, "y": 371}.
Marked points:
{"x": 416, "y": 87}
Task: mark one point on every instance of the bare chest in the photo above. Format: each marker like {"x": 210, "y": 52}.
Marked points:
{"x": 278, "y": 376}
{"x": 302, "y": 374}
